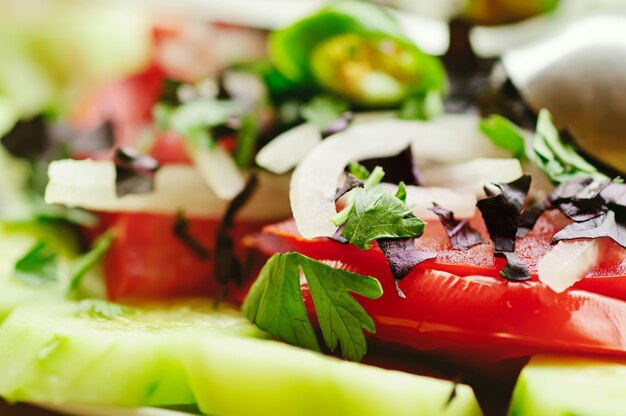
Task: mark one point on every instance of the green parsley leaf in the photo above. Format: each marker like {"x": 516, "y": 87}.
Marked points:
{"x": 358, "y": 171}
{"x": 504, "y": 134}
{"x": 38, "y": 266}
{"x": 374, "y": 213}
{"x": 323, "y": 110}
{"x": 275, "y": 304}
{"x": 557, "y": 159}
{"x": 246, "y": 140}
{"x": 81, "y": 265}
{"x": 98, "y": 308}
{"x": 401, "y": 192}
{"x": 422, "y": 106}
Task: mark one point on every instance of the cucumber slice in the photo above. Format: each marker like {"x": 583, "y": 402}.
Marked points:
{"x": 257, "y": 377}
{"x": 570, "y": 386}
{"x": 55, "y": 352}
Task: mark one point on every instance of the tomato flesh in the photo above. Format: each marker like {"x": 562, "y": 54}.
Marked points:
{"x": 147, "y": 261}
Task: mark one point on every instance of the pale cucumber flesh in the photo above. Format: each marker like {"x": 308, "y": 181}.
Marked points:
{"x": 257, "y": 377}
{"x": 567, "y": 386}
{"x": 50, "y": 352}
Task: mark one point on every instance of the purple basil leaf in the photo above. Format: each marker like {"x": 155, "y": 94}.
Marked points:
{"x": 349, "y": 184}
{"x": 28, "y": 138}
{"x": 402, "y": 255}
{"x": 338, "y": 237}
{"x": 99, "y": 138}
{"x": 515, "y": 270}
{"x": 615, "y": 194}
{"x": 462, "y": 236}
{"x": 501, "y": 212}
{"x": 227, "y": 266}
{"x": 181, "y": 231}
{"x": 580, "y": 199}
{"x": 342, "y": 123}
{"x": 607, "y": 225}
{"x": 134, "y": 172}
{"x": 398, "y": 168}
{"x": 530, "y": 216}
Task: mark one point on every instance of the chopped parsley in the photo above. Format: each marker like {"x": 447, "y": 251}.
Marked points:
{"x": 505, "y": 134}
{"x": 98, "y": 308}
{"x": 38, "y": 266}
{"x": 275, "y": 304}
{"x": 81, "y": 265}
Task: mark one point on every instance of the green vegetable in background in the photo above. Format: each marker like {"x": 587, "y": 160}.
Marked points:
{"x": 356, "y": 50}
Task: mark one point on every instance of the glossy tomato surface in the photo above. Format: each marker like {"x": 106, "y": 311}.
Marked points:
{"x": 472, "y": 313}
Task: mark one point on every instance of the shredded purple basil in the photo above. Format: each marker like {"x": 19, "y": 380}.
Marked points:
{"x": 605, "y": 225}
{"x": 615, "y": 194}
{"x": 98, "y": 138}
{"x": 462, "y": 236}
{"x": 501, "y": 213}
{"x": 529, "y": 217}
{"x": 227, "y": 266}
{"x": 514, "y": 270}
{"x": 398, "y": 168}
{"x": 402, "y": 255}
{"x": 28, "y": 138}
{"x": 134, "y": 172}
{"x": 338, "y": 237}
{"x": 580, "y": 199}
{"x": 349, "y": 184}
{"x": 340, "y": 124}
{"x": 181, "y": 231}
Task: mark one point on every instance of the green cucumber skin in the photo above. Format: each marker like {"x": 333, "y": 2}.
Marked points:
{"x": 258, "y": 377}
{"x": 567, "y": 386}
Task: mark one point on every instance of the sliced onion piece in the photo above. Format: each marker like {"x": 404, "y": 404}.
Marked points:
{"x": 91, "y": 184}
{"x": 285, "y": 151}
{"x": 568, "y": 262}
{"x": 452, "y": 138}
{"x": 421, "y": 198}
{"x": 473, "y": 175}
{"x": 219, "y": 171}
{"x": 315, "y": 180}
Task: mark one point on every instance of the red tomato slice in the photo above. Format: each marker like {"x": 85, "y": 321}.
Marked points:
{"x": 607, "y": 278}
{"x": 476, "y": 315}
{"x": 147, "y": 261}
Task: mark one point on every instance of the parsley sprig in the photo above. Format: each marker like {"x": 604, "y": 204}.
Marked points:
{"x": 275, "y": 304}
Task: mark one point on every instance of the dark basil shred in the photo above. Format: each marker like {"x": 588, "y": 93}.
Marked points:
{"x": 530, "y": 216}
{"x": 398, "y": 168}
{"x": 462, "y": 236}
{"x": 501, "y": 213}
{"x": 227, "y": 266}
{"x": 349, "y": 184}
{"x": 402, "y": 257}
{"x": 134, "y": 172}
{"x": 28, "y": 138}
{"x": 181, "y": 231}
{"x": 605, "y": 225}
{"x": 340, "y": 124}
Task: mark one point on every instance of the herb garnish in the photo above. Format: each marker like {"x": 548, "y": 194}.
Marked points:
{"x": 275, "y": 304}
{"x": 329, "y": 113}
{"x": 227, "y": 266}
{"x": 501, "y": 213}
{"x": 134, "y": 172}
{"x": 81, "y": 265}
{"x": 462, "y": 236}
{"x": 97, "y": 308}
{"x": 181, "y": 231}
{"x": 398, "y": 168}
{"x": 505, "y": 134}
{"x": 38, "y": 266}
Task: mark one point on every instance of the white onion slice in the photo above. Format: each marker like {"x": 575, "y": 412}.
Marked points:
{"x": 420, "y": 199}
{"x": 473, "y": 175}
{"x": 219, "y": 171}
{"x": 567, "y": 263}
{"x": 314, "y": 182}
{"x": 91, "y": 185}
{"x": 287, "y": 150}
{"x": 453, "y": 138}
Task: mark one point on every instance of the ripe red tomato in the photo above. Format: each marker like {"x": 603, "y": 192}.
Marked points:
{"x": 147, "y": 261}
{"x": 456, "y": 305}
